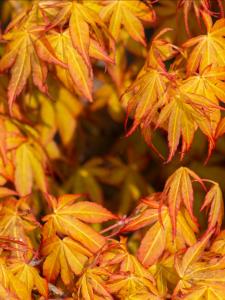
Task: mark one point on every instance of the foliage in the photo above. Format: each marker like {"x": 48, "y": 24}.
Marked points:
{"x": 97, "y": 99}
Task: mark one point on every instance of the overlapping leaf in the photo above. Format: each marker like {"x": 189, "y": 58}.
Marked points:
{"x": 23, "y": 159}
{"x": 92, "y": 284}
{"x": 160, "y": 236}
{"x": 29, "y": 275}
{"x": 27, "y": 53}
{"x": 68, "y": 218}
{"x": 182, "y": 115}
{"x": 63, "y": 256}
{"x": 208, "y": 49}
{"x": 209, "y": 84}
{"x": 86, "y": 29}
{"x": 214, "y": 200}
{"x": 30, "y": 165}
{"x": 129, "y": 15}
{"x": 12, "y": 284}
{"x": 178, "y": 191}
{"x": 125, "y": 285}
{"x": 16, "y": 221}
{"x": 145, "y": 96}
{"x": 76, "y": 74}
{"x": 194, "y": 271}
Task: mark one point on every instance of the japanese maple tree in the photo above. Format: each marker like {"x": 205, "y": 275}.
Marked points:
{"x": 112, "y": 149}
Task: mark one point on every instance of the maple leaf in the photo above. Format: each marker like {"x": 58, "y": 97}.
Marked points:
{"x": 28, "y": 52}
{"x": 30, "y": 164}
{"x": 153, "y": 243}
{"x": 117, "y": 255}
{"x": 92, "y": 284}
{"x": 86, "y": 29}
{"x": 67, "y": 219}
{"x": 23, "y": 158}
{"x": 209, "y": 84}
{"x": 160, "y": 236}
{"x": 29, "y": 275}
{"x": 129, "y": 15}
{"x": 208, "y": 49}
{"x": 182, "y": 115}
{"x": 212, "y": 76}
{"x": 16, "y": 221}
{"x": 178, "y": 190}
{"x": 164, "y": 274}
{"x": 145, "y": 96}
{"x": 76, "y": 75}
{"x": 192, "y": 254}
{"x": 191, "y": 270}
{"x": 214, "y": 200}
{"x": 125, "y": 284}
{"x": 63, "y": 256}
{"x": 12, "y": 284}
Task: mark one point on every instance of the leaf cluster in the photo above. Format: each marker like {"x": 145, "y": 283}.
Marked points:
{"x": 94, "y": 95}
